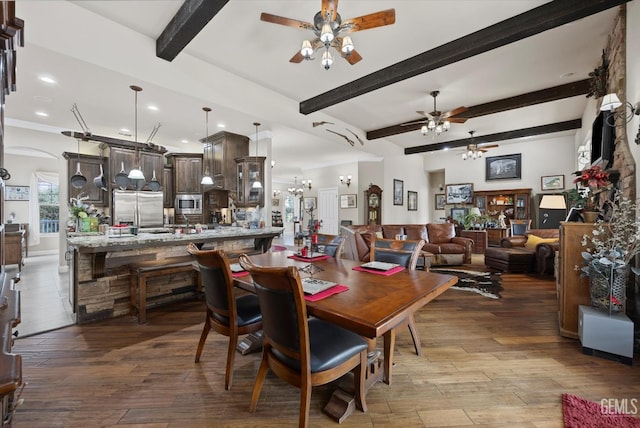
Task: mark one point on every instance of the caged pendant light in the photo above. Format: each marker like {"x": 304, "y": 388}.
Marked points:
{"x": 136, "y": 172}
{"x": 206, "y": 178}
{"x": 256, "y": 184}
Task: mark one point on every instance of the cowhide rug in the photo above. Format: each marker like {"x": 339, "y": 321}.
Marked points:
{"x": 487, "y": 284}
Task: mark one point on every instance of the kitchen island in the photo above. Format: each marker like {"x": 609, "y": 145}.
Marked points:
{"x": 100, "y": 272}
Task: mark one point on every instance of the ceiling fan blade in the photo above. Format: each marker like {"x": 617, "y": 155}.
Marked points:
{"x": 297, "y": 58}
{"x": 365, "y": 22}
{"x": 331, "y": 7}
{"x": 490, "y": 146}
{"x": 454, "y": 112}
{"x": 414, "y": 123}
{"x": 289, "y": 22}
{"x": 457, "y": 119}
{"x": 352, "y": 58}
{"x": 425, "y": 114}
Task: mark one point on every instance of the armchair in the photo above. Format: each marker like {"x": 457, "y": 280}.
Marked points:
{"x": 543, "y": 242}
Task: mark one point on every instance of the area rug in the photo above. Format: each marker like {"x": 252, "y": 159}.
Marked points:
{"x": 487, "y": 284}
{"x": 580, "y": 413}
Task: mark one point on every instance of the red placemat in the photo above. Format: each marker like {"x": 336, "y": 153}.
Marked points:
{"x": 326, "y": 293}
{"x": 308, "y": 259}
{"x": 239, "y": 274}
{"x": 380, "y": 272}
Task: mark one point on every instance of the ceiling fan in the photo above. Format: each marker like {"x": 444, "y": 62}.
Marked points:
{"x": 331, "y": 31}
{"x": 474, "y": 150}
{"x": 437, "y": 121}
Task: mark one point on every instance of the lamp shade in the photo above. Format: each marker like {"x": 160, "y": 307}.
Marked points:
{"x": 610, "y": 102}
{"x": 475, "y": 211}
{"x": 553, "y": 202}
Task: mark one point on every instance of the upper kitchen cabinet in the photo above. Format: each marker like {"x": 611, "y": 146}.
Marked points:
{"x": 124, "y": 159}
{"x": 249, "y": 171}
{"x": 167, "y": 185}
{"x": 220, "y": 152}
{"x": 90, "y": 168}
{"x": 187, "y": 172}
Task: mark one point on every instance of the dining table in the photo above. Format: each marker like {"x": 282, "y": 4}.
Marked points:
{"x": 371, "y": 303}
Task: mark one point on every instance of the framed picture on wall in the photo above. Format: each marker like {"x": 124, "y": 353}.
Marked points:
{"x": 441, "y": 200}
{"x": 459, "y": 193}
{"x": 275, "y": 202}
{"x": 398, "y": 192}
{"x": 348, "y": 201}
{"x": 16, "y": 193}
{"x": 310, "y": 203}
{"x": 412, "y": 200}
{"x": 458, "y": 213}
{"x": 504, "y": 167}
{"x": 552, "y": 182}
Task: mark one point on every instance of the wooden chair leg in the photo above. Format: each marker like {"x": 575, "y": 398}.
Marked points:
{"x": 257, "y": 386}
{"x": 360, "y": 382}
{"x": 231, "y": 354}
{"x": 203, "y": 337}
{"x": 414, "y": 335}
{"x": 305, "y": 403}
{"x": 389, "y": 344}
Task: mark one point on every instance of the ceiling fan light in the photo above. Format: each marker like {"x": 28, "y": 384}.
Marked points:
{"x": 424, "y": 130}
{"x": 446, "y": 125}
{"x": 431, "y": 125}
{"x": 306, "y": 50}
{"x": 479, "y": 154}
{"x": 464, "y": 156}
{"x": 347, "y": 45}
{"x": 439, "y": 129}
{"x": 326, "y": 35}
{"x": 327, "y": 59}
{"x": 474, "y": 156}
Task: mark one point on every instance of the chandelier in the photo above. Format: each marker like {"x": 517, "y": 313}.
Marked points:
{"x": 473, "y": 152}
{"x": 296, "y": 190}
{"x": 437, "y": 123}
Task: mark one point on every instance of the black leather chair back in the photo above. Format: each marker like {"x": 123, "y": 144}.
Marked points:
{"x": 405, "y": 253}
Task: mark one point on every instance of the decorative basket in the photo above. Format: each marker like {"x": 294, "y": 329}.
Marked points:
{"x": 608, "y": 286}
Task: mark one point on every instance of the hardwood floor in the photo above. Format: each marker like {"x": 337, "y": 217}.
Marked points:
{"x": 486, "y": 362}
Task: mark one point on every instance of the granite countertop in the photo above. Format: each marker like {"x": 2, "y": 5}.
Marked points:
{"x": 166, "y": 236}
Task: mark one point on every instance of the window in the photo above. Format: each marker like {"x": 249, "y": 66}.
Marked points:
{"x": 49, "y": 207}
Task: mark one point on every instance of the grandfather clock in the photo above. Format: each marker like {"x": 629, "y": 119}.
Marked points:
{"x": 373, "y": 198}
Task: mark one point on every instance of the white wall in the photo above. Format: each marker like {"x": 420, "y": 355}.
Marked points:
{"x": 410, "y": 170}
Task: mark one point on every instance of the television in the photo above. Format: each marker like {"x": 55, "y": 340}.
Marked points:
{"x": 603, "y": 138}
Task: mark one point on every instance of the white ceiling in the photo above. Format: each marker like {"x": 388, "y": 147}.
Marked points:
{"x": 239, "y": 66}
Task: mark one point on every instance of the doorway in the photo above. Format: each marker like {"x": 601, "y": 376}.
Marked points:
{"x": 328, "y": 210}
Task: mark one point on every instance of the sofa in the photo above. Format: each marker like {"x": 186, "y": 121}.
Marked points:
{"x": 440, "y": 240}
{"x": 532, "y": 252}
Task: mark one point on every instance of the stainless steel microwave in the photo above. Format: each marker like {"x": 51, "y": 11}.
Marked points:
{"x": 188, "y": 204}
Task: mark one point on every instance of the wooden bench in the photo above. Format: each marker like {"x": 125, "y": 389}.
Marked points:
{"x": 141, "y": 272}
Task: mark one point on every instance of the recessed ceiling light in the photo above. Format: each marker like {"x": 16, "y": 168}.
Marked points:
{"x": 152, "y": 107}
{"x": 184, "y": 141}
{"x": 41, "y": 113}
{"x": 47, "y": 79}
{"x": 221, "y": 125}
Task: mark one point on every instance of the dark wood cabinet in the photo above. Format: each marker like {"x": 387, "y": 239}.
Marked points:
{"x": 187, "y": 172}
{"x": 167, "y": 185}
{"x": 126, "y": 159}
{"x": 220, "y": 152}
{"x": 90, "y": 168}
{"x": 479, "y": 239}
{"x": 494, "y": 236}
{"x": 249, "y": 170}
{"x": 515, "y": 203}
{"x": 373, "y": 199}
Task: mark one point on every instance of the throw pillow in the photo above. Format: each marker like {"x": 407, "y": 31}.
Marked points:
{"x": 533, "y": 241}
{"x": 379, "y": 235}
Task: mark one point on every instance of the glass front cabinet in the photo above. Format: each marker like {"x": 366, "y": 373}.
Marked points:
{"x": 250, "y": 173}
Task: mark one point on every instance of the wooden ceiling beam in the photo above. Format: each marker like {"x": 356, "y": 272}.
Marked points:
{"x": 548, "y": 16}
{"x": 568, "y": 90}
{"x": 192, "y": 17}
{"x": 500, "y": 136}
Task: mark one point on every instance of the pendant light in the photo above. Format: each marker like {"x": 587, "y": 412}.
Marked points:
{"x": 257, "y": 184}
{"x": 206, "y": 178}
{"x": 136, "y": 172}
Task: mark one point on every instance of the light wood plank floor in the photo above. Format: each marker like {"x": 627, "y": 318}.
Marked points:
{"x": 487, "y": 363}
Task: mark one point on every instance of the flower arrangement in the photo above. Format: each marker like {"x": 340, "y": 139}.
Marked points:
{"x": 78, "y": 209}
{"x": 612, "y": 247}
{"x": 595, "y": 179}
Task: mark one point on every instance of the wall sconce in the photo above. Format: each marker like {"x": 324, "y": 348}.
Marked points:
{"x": 346, "y": 181}
{"x": 306, "y": 183}
{"x": 276, "y": 193}
{"x": 610, "y": 102}
{"x": 273, "y": 163}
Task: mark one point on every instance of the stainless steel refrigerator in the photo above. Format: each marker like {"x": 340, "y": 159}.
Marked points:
{"x": 144, "y": 209}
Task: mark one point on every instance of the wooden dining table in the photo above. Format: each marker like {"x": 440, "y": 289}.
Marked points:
{"x": 373, "y": 306}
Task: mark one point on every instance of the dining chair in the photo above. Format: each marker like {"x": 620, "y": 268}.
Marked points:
{"x": 302, "y": 351}
{"x": 226, "y": 314}
{"x": 519, "y": 227}
{"x": 333, "y": 244}
{"x": 405, "y": 253}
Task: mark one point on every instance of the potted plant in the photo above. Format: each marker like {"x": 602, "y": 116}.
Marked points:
{"x": 612, "y": 246}
{"x": 594, "y": 181}
{"x": 474, "y": 220}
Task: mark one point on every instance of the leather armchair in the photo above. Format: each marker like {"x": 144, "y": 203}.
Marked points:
{"x": 544, "y": 251}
